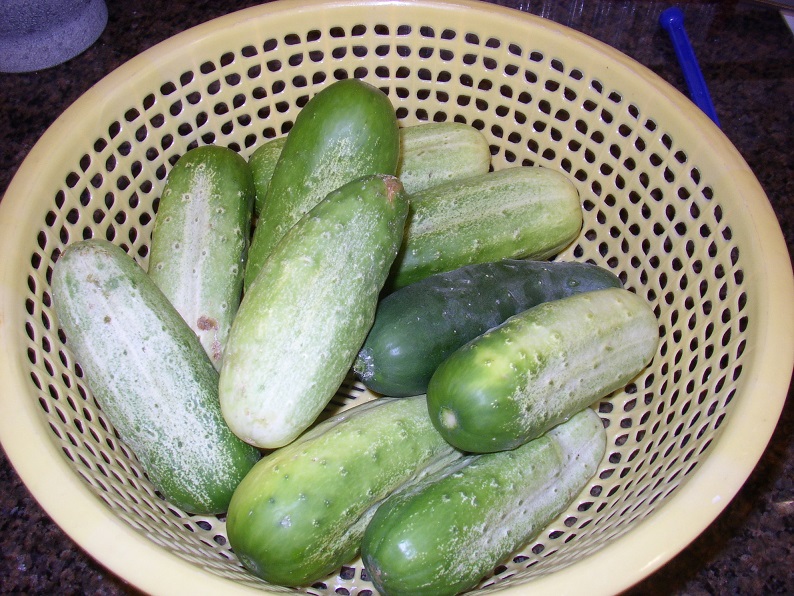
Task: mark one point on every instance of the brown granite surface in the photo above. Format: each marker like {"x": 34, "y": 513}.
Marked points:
{"x": 746, "y": 52}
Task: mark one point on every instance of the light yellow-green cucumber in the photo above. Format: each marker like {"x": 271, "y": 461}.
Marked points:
{"x": 301, "y": 511}
{"x": 539, "y": 367}
{"x": 150, "y": 375}
{"x": 303, "y": 320}
{"x": 516, "y": 213}
{"x": 438, "y": 152}
{"x": 442, "y": 535}
{"x": 348, "y": 130}
{"x": 430, "y": 153}
{"x": 200, "y": 240}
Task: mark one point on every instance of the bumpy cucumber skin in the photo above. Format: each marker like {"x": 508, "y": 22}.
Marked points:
{"x": 417, "y": 327}
{"x": 200, "y": 240}
{"x": 445, "y": 533}
{"x": 303, "y": 320}
{"x": 301, "y": 511}
{"x": 346, "y": 131}
{"x": 430, "y": 153}
{"x": 520, "y": 379}
{"x": 150, "y": 375}
{"x": 516, "y": 213}
{"x": 263, "y": 163}
{"x": 438, "y": 152}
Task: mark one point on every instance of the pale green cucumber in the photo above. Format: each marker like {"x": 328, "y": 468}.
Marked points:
{"x": 520, "y": 212}
{"x": 301, "y": 511}
{"x": 348, "y": 130}
{"x": 150, "y": 375}
{"x": 438, "y": 152}
{"x": 430, "y": 153}
{"x": 263, "y": 163}
{"x": 200, "y": 239}
{"x": 445, "y": 533}
{"x": 539, "y": 367}
{"x": 303, "y": 320}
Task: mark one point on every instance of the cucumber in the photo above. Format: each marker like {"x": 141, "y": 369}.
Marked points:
{"x": 430, "y": 153}
{"x": 263, "y": 163}
{"x": 200, "y": 239}
{"x": 520, "y": 212}
{"x": 303, "y": 320}
{"x": 535, "y": 370}
{"x": 445, "y": 533}
{"x": 150, "y": 375}
{"x": 346, "y": 131}
{"x": 417, "y": 327}
{"x": 437, "y": 152}
{"x": 301, "y": 511}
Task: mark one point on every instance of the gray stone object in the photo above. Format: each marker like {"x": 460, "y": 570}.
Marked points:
{"x": 38, "y": 34}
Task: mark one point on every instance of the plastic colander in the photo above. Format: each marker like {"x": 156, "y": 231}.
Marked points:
{"x": 669, "y": 206}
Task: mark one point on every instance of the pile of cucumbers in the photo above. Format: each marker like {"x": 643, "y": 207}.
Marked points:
{"x": 397, "y": 252}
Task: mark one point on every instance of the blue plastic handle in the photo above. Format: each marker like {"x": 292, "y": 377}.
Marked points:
{"x": 672, "y": 21}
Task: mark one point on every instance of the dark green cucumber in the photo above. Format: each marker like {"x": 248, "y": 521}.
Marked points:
{"x": 301, "y": 511}
{"x": 348, "y": 130}
{"x": 445, "y": 533}
{"x": 535, "y": 370}
{"x": 150, "y": 375}
{"x": 417, "y": 327}
{"x": 200, "y": 240}
{"x": 430, "y": 153}
{"x": 520, "y": 212}
{"x": 306, "y": 315}
{"x": 263, "y": 163}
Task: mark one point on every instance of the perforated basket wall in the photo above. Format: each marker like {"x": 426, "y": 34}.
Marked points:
{"x": 668, "y": 204}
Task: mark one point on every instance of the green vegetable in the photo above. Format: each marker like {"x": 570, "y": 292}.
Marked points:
{"x": 200, "y": 239}
{"x": 301, "y": 511}
{"x": 444, "y": 534}
{"x": 438, "y": 152}
{"x": 346, "y": 131}
{"x": 305, "y": 317}
{"x": 150, "y": 375}
{"x": 263, "y": 163}
{"x": 417, "y": 327}
{"x": 430, "y": 154}
{"x": 539, "y": 367}
{"x": 520, "y": 212}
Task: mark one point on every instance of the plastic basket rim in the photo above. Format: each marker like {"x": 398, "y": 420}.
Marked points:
{"x": 635, "y": 555}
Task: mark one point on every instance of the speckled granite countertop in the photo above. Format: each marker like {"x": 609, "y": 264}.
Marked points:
{"x": 747, "y": 54}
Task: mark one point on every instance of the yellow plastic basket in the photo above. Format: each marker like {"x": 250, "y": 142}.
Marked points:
{"x": 669, "y": 206}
